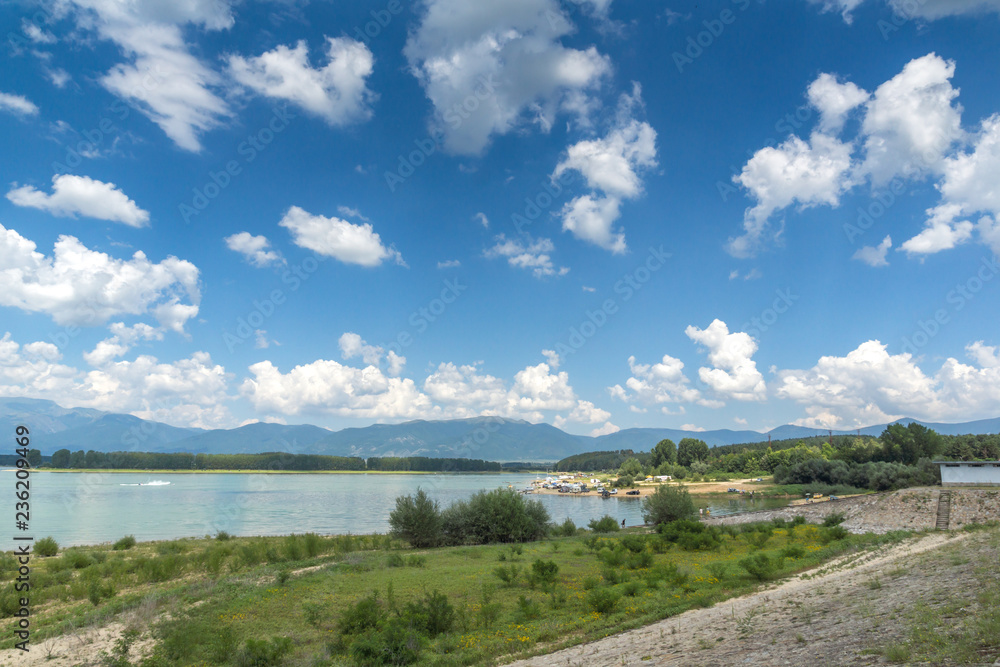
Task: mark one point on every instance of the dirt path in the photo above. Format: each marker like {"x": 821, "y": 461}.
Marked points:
{"x": 825, "y": 617}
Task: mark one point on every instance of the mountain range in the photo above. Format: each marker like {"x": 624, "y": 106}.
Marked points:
{"x": 54, "y": 427}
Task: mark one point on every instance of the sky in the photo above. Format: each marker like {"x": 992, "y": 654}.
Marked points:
{"x": 597, "y": 214}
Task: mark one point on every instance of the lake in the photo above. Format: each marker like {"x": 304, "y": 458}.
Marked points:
{"x": 90, "y": 508}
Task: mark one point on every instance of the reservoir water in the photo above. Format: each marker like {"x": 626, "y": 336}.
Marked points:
{"x": 90, "y": 508}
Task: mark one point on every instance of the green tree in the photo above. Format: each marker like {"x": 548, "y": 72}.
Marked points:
{"x": 60, "y": 458}
{"x": 909, "y": 444}
{"x": 34, "y": 458}
{"x": 630, "y": 468}
{"x": 665, "y": 451}
{"x": 77, "y": 459}
{"x": 666, "y": 504}
{"x": 690, "y": 450}
{"x": 416, "y": 519}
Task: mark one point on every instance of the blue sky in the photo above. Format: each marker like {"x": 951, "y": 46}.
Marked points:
{"x": 594, "y": 213}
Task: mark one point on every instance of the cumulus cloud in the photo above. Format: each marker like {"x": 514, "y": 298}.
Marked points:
{"x": 734, "y": 373}
{"x": 874, "y": 255}
{"x": 17, "y": 104}
{"x": 489, "y": 68}
{"x": 187, "y": 392}
{"x": 610, "y": 167}
{"x": 122, "y": 340}
{"x": 256, "y": 249}
{"x": 532, "y": 255}
{"x": 449, "y": 264}
{"x": 656, "y": 384}
{"x": 337, "y": 92}
{"x": 79, "y": 286}
{"x": 910, "y": 129}
{"x": 338, "y": 238}
{"x": 871, "y": 386}
{"x": 80, "y": 195}
{"x": 910, "y": 9}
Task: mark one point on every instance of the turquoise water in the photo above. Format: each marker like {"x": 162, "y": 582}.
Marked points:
{"x": 90, "y": 508}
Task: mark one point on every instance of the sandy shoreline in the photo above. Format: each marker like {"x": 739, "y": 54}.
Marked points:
{"x": 694, "y": 488}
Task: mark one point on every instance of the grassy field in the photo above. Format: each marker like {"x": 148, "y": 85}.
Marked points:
{"x": 232, "y": 600}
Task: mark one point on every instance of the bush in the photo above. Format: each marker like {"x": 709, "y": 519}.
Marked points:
{"x": 508, "y": 574}
{"x": 602, "y": 600}
{"x": 793, "y": 551}
{"x": 834, "y": 519}
{"x": 528, "y": 610}
{"x": 395, "y": 644}
{"x": 502, "y": 515}
{"x": 832, "y": 533}
{"x": 666, "y": 504}
{"x": 366, "y": 614}
{"x": 634, "y": 543}
{"x": 263, "y": 652}
{"x": 46, "y": 546}
{"x": 759, "y": 566}
{"x": 417, "y": 520}
{"x": 606, "y": 524}
{"x": 566, "y": 529}
{"x": 222, "y": 536}
{"x": 691, "y": 535}
{"x": 434, "y": 615}
{"x": 543, "y": 574}
{"x": 124, "y": 543}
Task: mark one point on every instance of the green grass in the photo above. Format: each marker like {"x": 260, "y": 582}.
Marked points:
{"x": 225, "y": 600}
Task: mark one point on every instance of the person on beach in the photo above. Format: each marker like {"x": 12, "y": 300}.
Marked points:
{"x": 623, "y": 523}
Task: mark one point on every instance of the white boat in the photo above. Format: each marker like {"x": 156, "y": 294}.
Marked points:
{"x": 155, "y": 482}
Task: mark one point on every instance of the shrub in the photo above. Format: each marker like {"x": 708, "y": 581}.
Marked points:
{"x": 124, "y": 543}
{"x": 611, "y": 557}
{"x": 602, "y": 600}
{"x": 416, "y": 561}
{"x": 263, "y": 652}
{"x": 832, "y": 533}
{"x": 417, "y": 520}
{"x": 488, "y": 517}
{"x": 834, "y": 519}
{"x": 508, "y": 574}
{"x": 798, "y": 520}
{"x": 634, "y": 543}
{"x": 793, "y": 551}
{"x": 666, "y": 504}
{"x": 395, "y": 560}
{"x": 606, "y": 524}
{"x": 222, "y": 536}
{"x": 543, "y": 574}
{"x": 46, "y": 546}
{"x": 759, "y": 566}
{"x": 757, "y": 540}
{"x": 528, "y": 610}
{"x": 566, "y": 529}
{"x": 434, "y": 615}
{"x": 691, "y": 535}
{"x": 638, "y": 561}
{"x": 718, "y": 570}
{"x": 76, "y": 559}
{"x": 631, "y": 588}
{"x": 365, "y": 614}
{"x": 395, "y": 644}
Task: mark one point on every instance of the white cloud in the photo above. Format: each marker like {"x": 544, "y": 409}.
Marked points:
{"x": 870, "y": 386}
{"x": 36, "y": 34}
{"x": 874, "y": 255}
{"x": 734, "y": 373}
{"x": 349, "y": 212}
{"x": 609, "y": 166}
{"x": 692, "y": 427}
{"x": 162, "y": 79}
{"x": 482, "y": 219}
{"x": 909, "y": 126}
{"x": 489, "y": 67}
{"x": 17, "y": 104}
{"x": 187, "y": 392}
{"x": 607, "y": 429}
{"x": 261, "y": 341}
{"x": 592, "y": 219}
{"x": 337, "y": 92}
{"x": 834, "y": 101}
{"x": 911, "y": 121}
{"x": 911, "y": 9}
{"x": 79, "y": 286}
{"x": 352, "y": 345}
{"x": 337, "y": 238}
{"x": 80, "y": 195}
{"x": 254, "y": 248}
{"x": 58, "y": 76}
{"x": 534, "y": 256}
{"x": 552, "y": 358}
{"x": 987, "y": 356}
{"x": 740, "y": 421}
{"x": 795, "y": 171}
{"x": 655, "y": 384}
{"x": 449, "y": 264}
{"x": 122, "y": 340}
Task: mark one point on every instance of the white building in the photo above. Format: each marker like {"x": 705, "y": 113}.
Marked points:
{"x": 970, "y": 473}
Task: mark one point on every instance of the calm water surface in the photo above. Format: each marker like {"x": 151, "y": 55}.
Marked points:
{"x": 89, "y": 508}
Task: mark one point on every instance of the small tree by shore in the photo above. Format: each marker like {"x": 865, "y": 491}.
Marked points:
{"x": 666, "y": 504}
{"x": 417, "y": 519}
